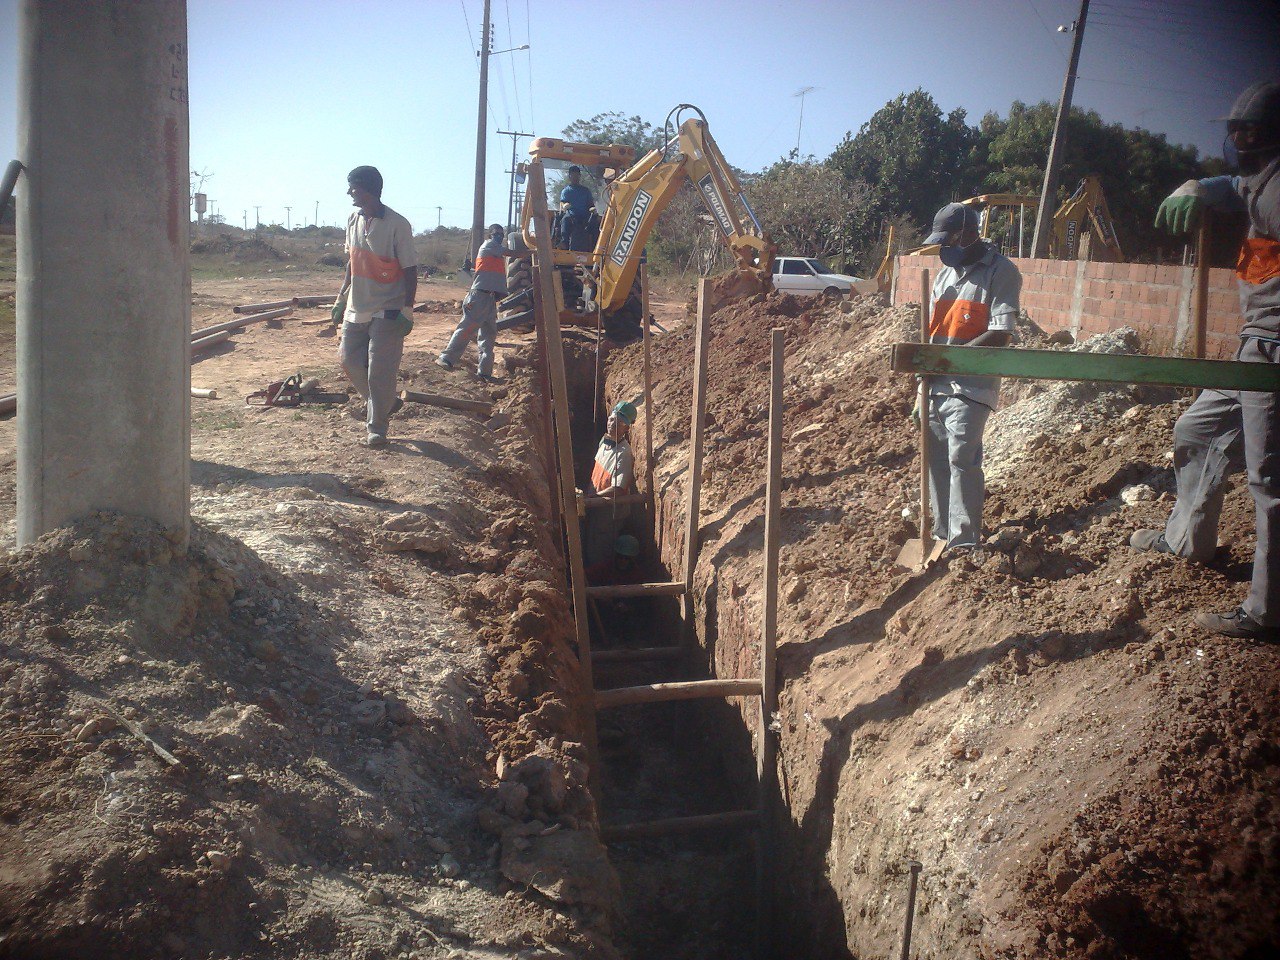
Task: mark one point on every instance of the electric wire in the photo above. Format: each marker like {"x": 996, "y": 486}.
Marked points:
{"x": 515, "y": 84}
{"x": 528, "y": 38}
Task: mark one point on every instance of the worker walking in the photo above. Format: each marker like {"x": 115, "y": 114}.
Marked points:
{"x": 975, "y": 302}
{"x": 375, "y": 303}
{"x": 480, "y": 307}
{"x": 1224, "y": 430}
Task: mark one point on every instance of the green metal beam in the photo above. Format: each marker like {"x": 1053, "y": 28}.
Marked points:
{"x": 936, "y": 359}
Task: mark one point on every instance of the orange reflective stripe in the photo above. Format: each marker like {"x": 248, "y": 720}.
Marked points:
{"x": 959, "y": 319}
{"x": 601, "y": 478}
{"x": 367, "y": 264}
{"x": 490, "y": 265}
{"x": 1259, "y": 260}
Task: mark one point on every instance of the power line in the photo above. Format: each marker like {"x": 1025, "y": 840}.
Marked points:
{"x": 515, "y": 85}
{"x": 528, "y": 38}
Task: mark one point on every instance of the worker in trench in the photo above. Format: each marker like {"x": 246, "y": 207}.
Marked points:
{"x": 375, "y": 303}
{"x": 1225, "y": 430}
{"x": 975, "y": 303}
{"x": 612, "y": 475}
{"x": 480, "y": 307}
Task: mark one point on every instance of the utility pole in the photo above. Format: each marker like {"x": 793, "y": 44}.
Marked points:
{"x": 257, "y": 220}
{"x": 288, "y": 221}
{"x": 439, "y": 211}
{"x": 1040, "y": 239}
{"x": 511, "y": 193}
{"x": 246, "y": 219}
{"x": 477, "y": 211}
{"x": 316, "y": 221}
{"x": 801, "y": 93}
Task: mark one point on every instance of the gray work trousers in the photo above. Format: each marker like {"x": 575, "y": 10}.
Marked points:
{"x": 479, "y": 317}
{"x": 956, "y": 481}
{"x": 370, "y": 354}
{"x": 1223, "y": 431}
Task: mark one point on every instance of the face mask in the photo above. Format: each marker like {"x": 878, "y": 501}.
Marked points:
{"x": 952, "y": 256}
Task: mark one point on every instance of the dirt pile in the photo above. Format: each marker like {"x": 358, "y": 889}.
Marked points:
{"x": 1082, "y": 772}
{"x": 251, "y": 249}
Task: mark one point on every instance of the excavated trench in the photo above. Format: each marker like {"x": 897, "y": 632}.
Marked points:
{"x": 687, "y": 895}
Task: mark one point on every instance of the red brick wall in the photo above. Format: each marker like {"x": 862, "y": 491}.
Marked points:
{"x": 1088, "y": 298}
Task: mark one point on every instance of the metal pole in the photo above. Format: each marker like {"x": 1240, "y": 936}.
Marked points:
{"x": 6, "y": 186}
{"x": 288, "y": 218}
{"x": 477, "y": 211}
{"x": 1200, "y": 291}
{"x": 439, "y": 214}
{"x": 257, "y": 217}
{"x": 316, "y": 222}
{"x": 1040, "y": 239}
{"x": 916, "y": 866}
{"x": 104, "y": 386}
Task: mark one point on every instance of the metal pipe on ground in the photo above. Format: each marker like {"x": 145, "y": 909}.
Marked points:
{"x": 259, "y": 307}
{"x": 204, "y": 343}
{"x": 8, "y": 404}
{"x": 241, "y": 322}
{"x": 320, "y": 300}
{"x": 8, "y": 183}
{"x": 201, "y": 393}
{"x": 453, "y": 403}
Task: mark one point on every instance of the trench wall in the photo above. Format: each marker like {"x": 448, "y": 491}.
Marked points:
{"x": 1087, "y": 298}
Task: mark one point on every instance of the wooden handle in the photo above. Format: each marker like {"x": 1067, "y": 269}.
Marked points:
{"x": 926, "y": 536}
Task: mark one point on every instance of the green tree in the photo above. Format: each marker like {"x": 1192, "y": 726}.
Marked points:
{"x": 809, "y": 208}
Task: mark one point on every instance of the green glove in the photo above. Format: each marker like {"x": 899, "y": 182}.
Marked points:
{"x": 1180, "y": 213}
{"x": 339, "y": 308}
{"x": 403, "y": 323}
{"x": 915, "y": 415}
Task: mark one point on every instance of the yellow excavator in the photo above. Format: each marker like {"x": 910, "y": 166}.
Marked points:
{"x": 1082, "y": 227}
{"x": 604, "y": 278}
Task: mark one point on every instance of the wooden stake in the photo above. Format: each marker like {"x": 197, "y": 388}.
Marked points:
{"x": 926, "y": 528}
{"x": 679, "y": 690}
{"x": 1200, "y": 292}
{"x": 453, "y": 403}
{"x": 545, "y": 308}
{"x": 766, "y": 760}
{"x": 648, "y": 392}
{"x": 693, "y": 491}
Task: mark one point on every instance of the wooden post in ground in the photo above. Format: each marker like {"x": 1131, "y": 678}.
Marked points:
{"x": 648, "y": 394}
{"x": 766, "y": 761}
{"x": 549, "y": 319}
{"x": 1200, "y": 292}
{"x": 693, "y": 490}
{"x": 926, "y": 405}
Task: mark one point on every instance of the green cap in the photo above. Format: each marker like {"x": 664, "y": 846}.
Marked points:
{"x": 626, "y": 546}
{"x": 626, "y": 411}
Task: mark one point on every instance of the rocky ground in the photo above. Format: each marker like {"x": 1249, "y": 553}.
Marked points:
{"x": 1081, "y": 772}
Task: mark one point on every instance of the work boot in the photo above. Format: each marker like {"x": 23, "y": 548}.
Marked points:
{"x": 1237, "y": 623}
{"x": 396, "y": 406}
{"x": 1152, "y": 541}
{"x": 375, "y": 441}
{"x": 442, "y": 362}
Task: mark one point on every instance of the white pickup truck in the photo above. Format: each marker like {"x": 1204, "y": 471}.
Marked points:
{"x": 810, "y": 275}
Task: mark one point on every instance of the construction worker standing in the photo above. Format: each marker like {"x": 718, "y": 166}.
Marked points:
{"x": 612, "y": 475}
{"x": 375, "y": 303}
{"x": 1224, "y": 430}
{"x": 975, "y": 302}
{"x": 480, "y": 308}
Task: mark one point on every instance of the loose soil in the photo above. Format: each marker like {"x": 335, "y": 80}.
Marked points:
{"x": 1081, "y": 771}
{"x": 360, "y": 665}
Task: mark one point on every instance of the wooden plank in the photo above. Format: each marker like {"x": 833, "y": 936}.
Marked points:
{"x": 693, "y": 489}
{"x": 545, "y": 310}
{"x": 1076, "y": 365}
{"x": 926, "y": 436}
{"x": 637, "y": 654}
{"x": 767, "y": 739}
{"x": 648, "y": 386}
{"x": 677, "y": 690}
{"x": 1200, "y": 291}
{"x": 672, "y": 588}
{"x": 452, "y": 403}
{"x": 730, "y": 820}
{"x": 622, "y": 499}
{"x": 241, "y": 322}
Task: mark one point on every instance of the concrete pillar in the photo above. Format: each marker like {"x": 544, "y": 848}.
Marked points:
{"x": 104, "y": 288}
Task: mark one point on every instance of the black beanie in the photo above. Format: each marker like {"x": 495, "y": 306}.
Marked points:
{"x": 367, "y": 177}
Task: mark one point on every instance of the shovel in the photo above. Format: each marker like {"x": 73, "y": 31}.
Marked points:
{"x": 919, "y": 553}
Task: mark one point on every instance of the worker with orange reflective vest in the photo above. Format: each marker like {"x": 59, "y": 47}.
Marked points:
{"x": 1225, "y": 430}
{"x": 375, "y": 303}
{"x": 975, "y": 302}
{"x": 480, "y": 308}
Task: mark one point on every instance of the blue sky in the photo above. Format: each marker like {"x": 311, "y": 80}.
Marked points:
{"x": 286, "y": 96}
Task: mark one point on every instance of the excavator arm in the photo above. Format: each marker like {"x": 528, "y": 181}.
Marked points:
{"x": 639, "y": 196}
